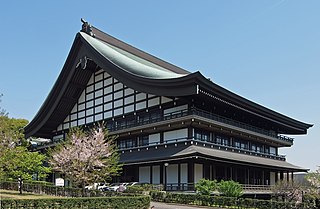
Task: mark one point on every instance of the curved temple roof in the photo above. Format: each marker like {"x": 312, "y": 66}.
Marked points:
{"x": 130, "y": 62}
{"x": 138, "y": 70}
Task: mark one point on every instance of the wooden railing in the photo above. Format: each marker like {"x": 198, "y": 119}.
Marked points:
{"x": 247, "y": 188}
{"x": 153, "y": 118}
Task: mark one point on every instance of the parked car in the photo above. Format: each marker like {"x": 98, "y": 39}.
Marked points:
{"x": 103, "y": 187}
{"x": 92, "y": 186}
{"x": 132, "y": 184}
{"x": 118, "y": 187}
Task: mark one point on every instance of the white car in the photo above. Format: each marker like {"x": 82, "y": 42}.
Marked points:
{"x": 118, "y": 187}
{"x": 102, "y": 187}
{"x": 132, "y": 184}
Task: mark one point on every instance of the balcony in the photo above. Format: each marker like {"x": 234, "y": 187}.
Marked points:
{"x": 150, "y": 118}
{"x": 198, "y": 142}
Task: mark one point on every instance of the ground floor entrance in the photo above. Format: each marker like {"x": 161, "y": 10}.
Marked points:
{"x": 183, "y": 174}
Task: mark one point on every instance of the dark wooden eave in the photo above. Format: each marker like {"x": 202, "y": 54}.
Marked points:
{"x": 187, "y": 152}
{"x": 73, "y": 79}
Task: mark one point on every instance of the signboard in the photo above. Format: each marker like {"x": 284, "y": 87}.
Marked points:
{"x": 59, "y": 182}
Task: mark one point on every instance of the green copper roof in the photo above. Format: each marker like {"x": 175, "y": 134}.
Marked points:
{"x": 129, "y": 62}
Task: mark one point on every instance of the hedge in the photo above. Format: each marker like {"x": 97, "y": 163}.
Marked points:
{"x": 221, "y": 201}
{"x": 134, "y": 202}
{"x": 49, "y": 189}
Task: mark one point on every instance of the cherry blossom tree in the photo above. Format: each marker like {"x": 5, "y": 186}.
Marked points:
{"x": 288, "y": 191}
{"x": 87, "y": 157}
{"x": 314, "y": 179}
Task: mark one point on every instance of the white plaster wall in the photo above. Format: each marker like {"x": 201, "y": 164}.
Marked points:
{"x": 144, "y": 174}
{"x": 165, "y": 100}
{"x": 172, "y": 174}
{"x": 156, "y": 174}
{"x": 153, "y": 102}
{"x": 198, "y": 172}
{"x": 154, "y": 138}
{"x": 175, "y": 109}
{"x": 272, "y": 178}
{"x": 176, "y": 134}
{"x": 184, "y": 173}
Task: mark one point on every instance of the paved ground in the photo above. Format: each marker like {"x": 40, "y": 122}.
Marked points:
{"x": 160, "y": 205}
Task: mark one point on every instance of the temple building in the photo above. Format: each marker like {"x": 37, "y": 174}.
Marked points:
{"x": 174, "y": 127}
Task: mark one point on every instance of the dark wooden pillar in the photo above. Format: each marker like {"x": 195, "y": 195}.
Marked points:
{"x": 161, "y": 138}
{"x": 225, "y": 176}
{"x": 179, "y": 176}
{"x": 190, "y": 132}
{"x": 281, "y": 175}
{"x": 214, "y": 173}
{"x": 161, "y": 174}
{"x": 151, "y": 179}
{"x": 248, "y": 176}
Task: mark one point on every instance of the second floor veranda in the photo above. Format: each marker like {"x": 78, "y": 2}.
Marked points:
{"x": 152, "y": 118}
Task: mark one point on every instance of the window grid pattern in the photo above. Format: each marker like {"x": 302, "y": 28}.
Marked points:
{"x": 227, "y": 141}
{"x": 104, "y": 98}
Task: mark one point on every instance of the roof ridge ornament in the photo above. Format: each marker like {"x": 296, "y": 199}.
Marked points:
{"x": 83, "y": 62}
{"x": 87, "y": 28}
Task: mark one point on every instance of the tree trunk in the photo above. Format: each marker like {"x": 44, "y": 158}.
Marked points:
{"x": 83, "y": 189}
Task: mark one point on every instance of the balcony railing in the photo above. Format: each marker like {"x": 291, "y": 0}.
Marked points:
{"x": 152, "y": 118}
{"x": 205, "y": 114}
{"x": 247, "y": 188}
{"x": 207, "y": 144}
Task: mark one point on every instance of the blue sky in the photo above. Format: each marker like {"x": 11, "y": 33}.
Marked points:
{"x": 267, "y": 51}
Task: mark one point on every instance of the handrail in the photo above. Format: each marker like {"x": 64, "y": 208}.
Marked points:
{"x": 211, "y": 145}
{"x": 256, "y": 187}
{"x": 190, "y": 187}
{"x": 151, "y": 118}
{"x": 198, "y": 112}
{"x": 239, "y": 124}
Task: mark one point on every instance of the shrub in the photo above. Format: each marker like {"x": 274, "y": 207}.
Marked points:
{"x": 312, "y": 199}
{"x": 205, "y": 186}
{"x": 230, "y": 188}
{"x": 222, "y": 201}
{"x": 158, "y": 196}
{"x": 181, "y": 198}
{"x": 134, "y": 189}
{"x": 147, "y": 187}
{"x": 135, "y": 202}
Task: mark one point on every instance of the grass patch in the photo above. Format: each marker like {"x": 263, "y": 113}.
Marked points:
{"x": 10, "y": 194}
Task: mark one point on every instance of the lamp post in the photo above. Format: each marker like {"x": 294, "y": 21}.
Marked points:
{"x": 165, "y": 176}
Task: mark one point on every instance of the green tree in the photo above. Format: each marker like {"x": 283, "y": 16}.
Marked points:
{"x": 87, "y": 157}
{"x": 11, "y": 131}
{"x": 206, "y": 187}
{"x": 3, "y": 112}
{"x": 20, "y": 164}
{"x": 230, "y": 188}
{"x": 11, "y": 134}
{"x": 16, "y": 161}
